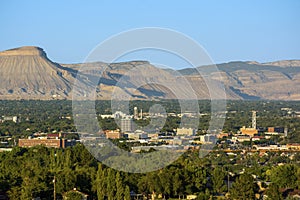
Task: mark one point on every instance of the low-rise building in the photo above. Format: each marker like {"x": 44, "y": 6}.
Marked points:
{"x": 10, "y": 118}
{"x": 153, "y": 135}
{"x": 138, "y": 134}
{"x": 178, "y": 141}
{"x": 115, "y": 134}
{"x": 56, "y": 143}
{"x": 271, "y": 133}
{"x": 185, "y": 131}
{"x": 270, "y": 147}
{"x": 222, "y": 135}
{"x": 208, "y": 138}
{"x": 248, "y": 131}
{"x": 293, "y": 146}
{"x": 241, "y": 138}
{"x": 257, "y": 138}
{"x": 276, "y": 129}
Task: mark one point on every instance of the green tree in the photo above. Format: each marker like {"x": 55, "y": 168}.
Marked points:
{"x": 100, "y": 183}
{"x": 73, "y": 195}
{"x": 243, "y": 188}
{"x": 165, "y": 181}
{"x": 298, "y": 175}
{"x": 200, "y": 178}
{"x": 127, "y": 193}
{"x": 111, "y": 184}
{"x": 204, "y": 195}
{"x": 14, "y": 193}
{"x": 273, "y": 192}
{"x": 285, "y": 176}
{"x": 119, "y": 187}
{"x": 218, "y": 176}
{"x": 177, "y": 184}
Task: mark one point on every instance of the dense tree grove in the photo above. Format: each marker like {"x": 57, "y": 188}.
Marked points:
{"x": 26, "y": 173}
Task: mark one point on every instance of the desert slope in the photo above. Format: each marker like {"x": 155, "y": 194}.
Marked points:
{"x": 27, "y": 73}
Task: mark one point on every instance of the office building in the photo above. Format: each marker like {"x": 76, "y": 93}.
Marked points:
{"x": 115, "y": 134}
{"x": 126, "y": 125}
{"x": 56, "y": 143}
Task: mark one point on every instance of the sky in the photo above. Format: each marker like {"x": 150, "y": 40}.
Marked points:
{"x": 230, "y": 30}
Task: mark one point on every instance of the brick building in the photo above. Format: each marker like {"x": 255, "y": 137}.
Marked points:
{"x": 56, "y": 143}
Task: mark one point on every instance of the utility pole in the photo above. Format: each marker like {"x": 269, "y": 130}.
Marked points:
{"x": 54, "y": 190}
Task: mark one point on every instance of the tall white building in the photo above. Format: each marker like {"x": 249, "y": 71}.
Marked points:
{"x": 135, "y": 113}
{"x": 286, "y": 131}
{"x": 141, "y": 114}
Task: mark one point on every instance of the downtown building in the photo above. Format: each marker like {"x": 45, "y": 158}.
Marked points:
{"x": 47, "y": 142}
{"x": 126, "y": 125}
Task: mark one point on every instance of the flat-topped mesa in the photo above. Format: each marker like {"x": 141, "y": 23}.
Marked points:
{"x": 24, "y": 51}
{"x": 284, "y": 63}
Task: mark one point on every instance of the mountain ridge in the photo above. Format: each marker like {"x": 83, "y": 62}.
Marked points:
{"x": 27, "y": 73}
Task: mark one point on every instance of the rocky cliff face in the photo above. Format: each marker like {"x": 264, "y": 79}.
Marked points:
{"x": 275, "y": 81}
{"x": 24, "y": 51}
{"x": 27, "y": 73}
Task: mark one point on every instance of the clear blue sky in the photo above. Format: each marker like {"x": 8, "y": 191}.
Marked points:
{"x": 228, "y": 30}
